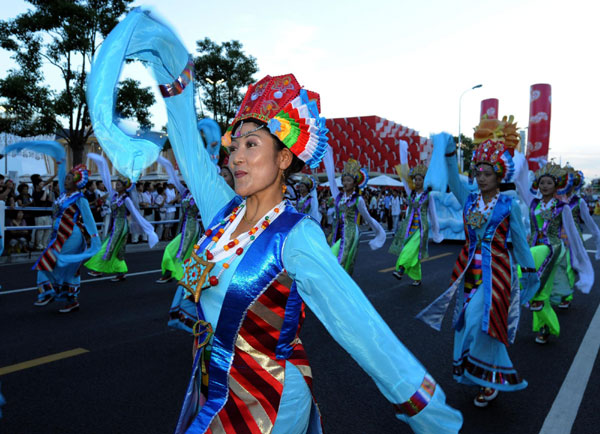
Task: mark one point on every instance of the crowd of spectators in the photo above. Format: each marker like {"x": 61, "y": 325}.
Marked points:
{"x": 157, "y": 201}
{"x": 386, "y": 205}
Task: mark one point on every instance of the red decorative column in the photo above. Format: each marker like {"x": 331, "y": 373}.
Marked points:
{"x": 489, "y": 107}
{"x": 538, "y": 140}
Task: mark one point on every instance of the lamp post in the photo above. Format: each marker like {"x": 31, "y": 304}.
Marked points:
{"x": 215, "y": 84}
{"x": 460, "y": 157}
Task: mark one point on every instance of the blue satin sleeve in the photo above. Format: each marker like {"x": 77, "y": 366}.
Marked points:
{"x": 530, "y": 282}
{"x": 354, "y": 323}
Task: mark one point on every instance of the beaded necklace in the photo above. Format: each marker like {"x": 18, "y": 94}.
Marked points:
{"x": 480, "y": 211}
{"x": 235, "y": 247}
{"x": 546, "y": 210}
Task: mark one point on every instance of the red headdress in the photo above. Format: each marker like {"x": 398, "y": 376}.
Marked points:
{"x": 291, "y": 114}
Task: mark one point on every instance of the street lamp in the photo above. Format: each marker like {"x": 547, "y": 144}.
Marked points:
{"x": 460, "y": 159}
{"x": 215, "y": 84}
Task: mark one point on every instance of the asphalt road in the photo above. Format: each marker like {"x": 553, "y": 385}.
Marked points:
{"x": 133, "y": 376}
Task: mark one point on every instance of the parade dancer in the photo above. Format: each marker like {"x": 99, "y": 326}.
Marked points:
{"x": 111, "y": 257}
{"x": 581, "y": 217}
{"x": 307, "y": 201}
{"x": 550, "y": 218}
{"x": 58, "y": 276}
{"x": 412, "y": 237}
{"x": 259, "y": 261}
{"x": 487, "y": 308}
{"x": 348, "y": 205}
{"x": 188, "y": 230}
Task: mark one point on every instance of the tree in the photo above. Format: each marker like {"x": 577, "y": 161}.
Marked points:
{"x": 66, "y": 35}
{"x": 468, "y": 148}
{"x": 222, "y": 71}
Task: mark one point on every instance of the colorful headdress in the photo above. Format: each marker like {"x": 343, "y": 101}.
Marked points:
{"x": 419, "y": 169}
{"x": 80, "y": 175}
{"x": 308, "y": 181}
{"x": 576, "y": 178}
{"x": 352, "y": 168}
{"x": 497, "y": 140}
{"x": 290, "y": 113}
{"x": 557, "y": 173}
{"x": 127, "y": 183}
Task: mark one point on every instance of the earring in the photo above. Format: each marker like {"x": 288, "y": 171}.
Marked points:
{"x": 283, "y": 188}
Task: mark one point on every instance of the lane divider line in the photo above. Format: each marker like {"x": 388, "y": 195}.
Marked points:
{"x": 431, "y": 258}
{"x": 96, "y": 279}
{"x": 565, "y": 407}
{"x": 42, "y": 361}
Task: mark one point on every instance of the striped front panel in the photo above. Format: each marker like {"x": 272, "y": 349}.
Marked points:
{"x": 501, "y": 278}
{"x": 65, "y": 229}
{"x": 257, "y": 377}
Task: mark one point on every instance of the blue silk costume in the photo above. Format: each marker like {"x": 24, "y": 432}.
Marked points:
{"x": 484, "y": 329}
{"x": 59, "y": 264}
{"x": 292, "y": 242}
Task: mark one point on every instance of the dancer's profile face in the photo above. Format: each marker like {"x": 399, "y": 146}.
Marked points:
{"x": 119, "y": 186}
{"x": 69, "y": 182}
{"x": 418, "y": 182}
{"x": 228, "y": 177}
{"x": 302, "y": 189}
{"x": 348, "y": 183}
{"x": 255, "y": 162}
{"x": 487, "y": 181}
{"x": 547, "y": 186}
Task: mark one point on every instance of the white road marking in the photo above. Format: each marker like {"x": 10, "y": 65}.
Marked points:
{"x": 564, "y": 410}
{"x": 97, "y": 279}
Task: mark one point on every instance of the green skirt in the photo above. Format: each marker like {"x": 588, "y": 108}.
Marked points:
{"x": 409, "y": 257}
{"x": 170, "y": 262}
{"x": 115, "y": 262}
{"x": 546, "y": 317}
{"x": 348, "y": 256}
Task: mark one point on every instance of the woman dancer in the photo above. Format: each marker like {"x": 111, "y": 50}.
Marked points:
{"x": 180, "y": 248}
{"x": 486, "y": 312}
{"x": 111, "y": 257}
{"x": 307, "y": 202}
{"x": 348, "y": 204}
{"x": 550, "y": 218}
{"x": 581, "y": 217}
{"x": 250, "y": 372}
{"x": 58, "y": 267}
{"x": 412, "y": 237}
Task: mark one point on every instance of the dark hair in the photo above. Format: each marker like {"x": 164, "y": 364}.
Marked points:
{"x": 295, "y": 166}
{"x": 159, "y": 189}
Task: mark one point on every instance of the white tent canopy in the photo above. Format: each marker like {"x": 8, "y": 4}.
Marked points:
{"x": 384, "y": 181}
{"x": 338, "y": 182}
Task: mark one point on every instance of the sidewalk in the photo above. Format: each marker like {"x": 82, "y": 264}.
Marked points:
{"x": 23, "y": 258}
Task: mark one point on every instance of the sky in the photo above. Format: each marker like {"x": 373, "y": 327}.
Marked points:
{"x": 409, "y": 61}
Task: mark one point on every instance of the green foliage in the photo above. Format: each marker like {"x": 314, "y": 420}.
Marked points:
{"x": 134, "y": 102}
{"x": 229, "y": 70}
{"x": 64, "y": 34}
{"x": 467, "y": 150}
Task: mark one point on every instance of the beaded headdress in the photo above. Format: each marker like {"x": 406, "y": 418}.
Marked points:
{"x": 557, "y": 173}
{"x": 576, "y": 178}
{"x": 308, "y": 181}
{"x": 419, "y": 169}
{"x": 352, "y": 168}
{"x": 289, "y": 112}
{"x": 127, "y": 183}
{"x": 496, "y": 140}
{"x": 80, "y": 175}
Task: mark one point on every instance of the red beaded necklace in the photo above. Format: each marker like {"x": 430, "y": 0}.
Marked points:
{"x": 241, "y": 242}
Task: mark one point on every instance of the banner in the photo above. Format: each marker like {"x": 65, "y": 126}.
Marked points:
{"x": 538, "y": 140}
{"x": 489, "y": 107}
